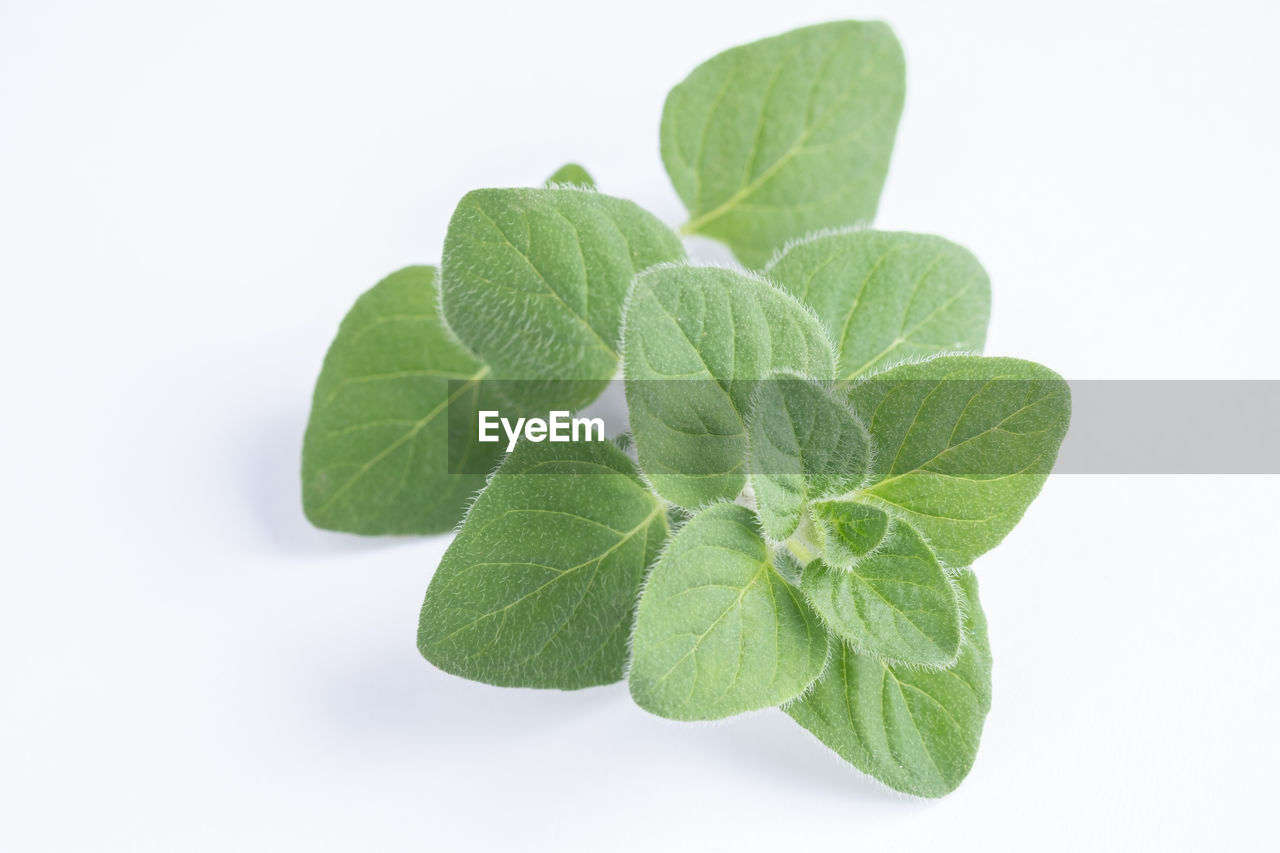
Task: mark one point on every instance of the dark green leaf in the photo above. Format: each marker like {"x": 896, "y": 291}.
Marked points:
{"x": 539, "y": 587}
{"x": 916, "y": 730}
{"x": 375, "y": 458}
{"x": 718, "y": 630}
{"x": 771, "y": 140}
{"x": 896, "y": 602}
{"x": 534, "y": 280}
{"x": 572, "y": 175}
{"x": 963, "y": 445}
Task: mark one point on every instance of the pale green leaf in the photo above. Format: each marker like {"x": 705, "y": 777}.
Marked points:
{"x": 534, "y": 280}
{"x": 771, "y": 140}
{"x": 697, "y": 341}
{"x": 375, "y": 458}
{"x": 916, "y": 730}
{"x": 888, "y": 296}
{"x": 803, "y": 443}
{"x": 572, "y": 175}
{"x": 847, "y": 531}
{"x": 788, "y": 565}
{"x": 718, "y": 631}
{"x": 539, "y": 587}
{"x": 896, "y": 603}
{"x": 963, "y": 445}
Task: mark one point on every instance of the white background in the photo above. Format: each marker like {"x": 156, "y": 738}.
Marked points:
{"x": 191, "y": 196}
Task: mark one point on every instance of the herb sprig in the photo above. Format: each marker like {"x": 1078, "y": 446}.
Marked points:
{"x": 820, "y": 454}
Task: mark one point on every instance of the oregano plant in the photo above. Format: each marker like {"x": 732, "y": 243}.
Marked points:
{"x": 816, "y": 452}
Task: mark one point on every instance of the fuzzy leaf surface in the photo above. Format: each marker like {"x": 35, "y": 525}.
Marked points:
{"x": 847, "y": 531}
{"x": 718, "y": 631}
{"x": 888, "y": 296}
{"x": 534, "y": 280}
{"x": 698, "y": 339}
{"x": 804, "y": 443}
{"x": 963, "y": 445}
{"x": 896, "y": 603}
{"x": 771, "y": 140}
{"x": 573, "y": 175}
{"x": 375, "y": 454}
{"x": 916, "y": 730}
{"x": 539, "y": 587}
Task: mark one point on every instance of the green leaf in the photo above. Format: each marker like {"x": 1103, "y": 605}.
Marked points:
{"x": 539, "y": 587}
{"x": 847, "y": 531}
{"x": 534, "y": 280}
{"x": 963, "y": 445}
{"x": 697, "y": 341}
{"x": 375, "y": 458}
{"x": 774, "y": 139}
{"x": 896, "y": 603}
{"x": 718, "y": 631}
{"x": 803, "y": 443}
{"x": 916, "y": 730}
{"x": 888, "y": 296}
{"x": 572, "y": 175}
